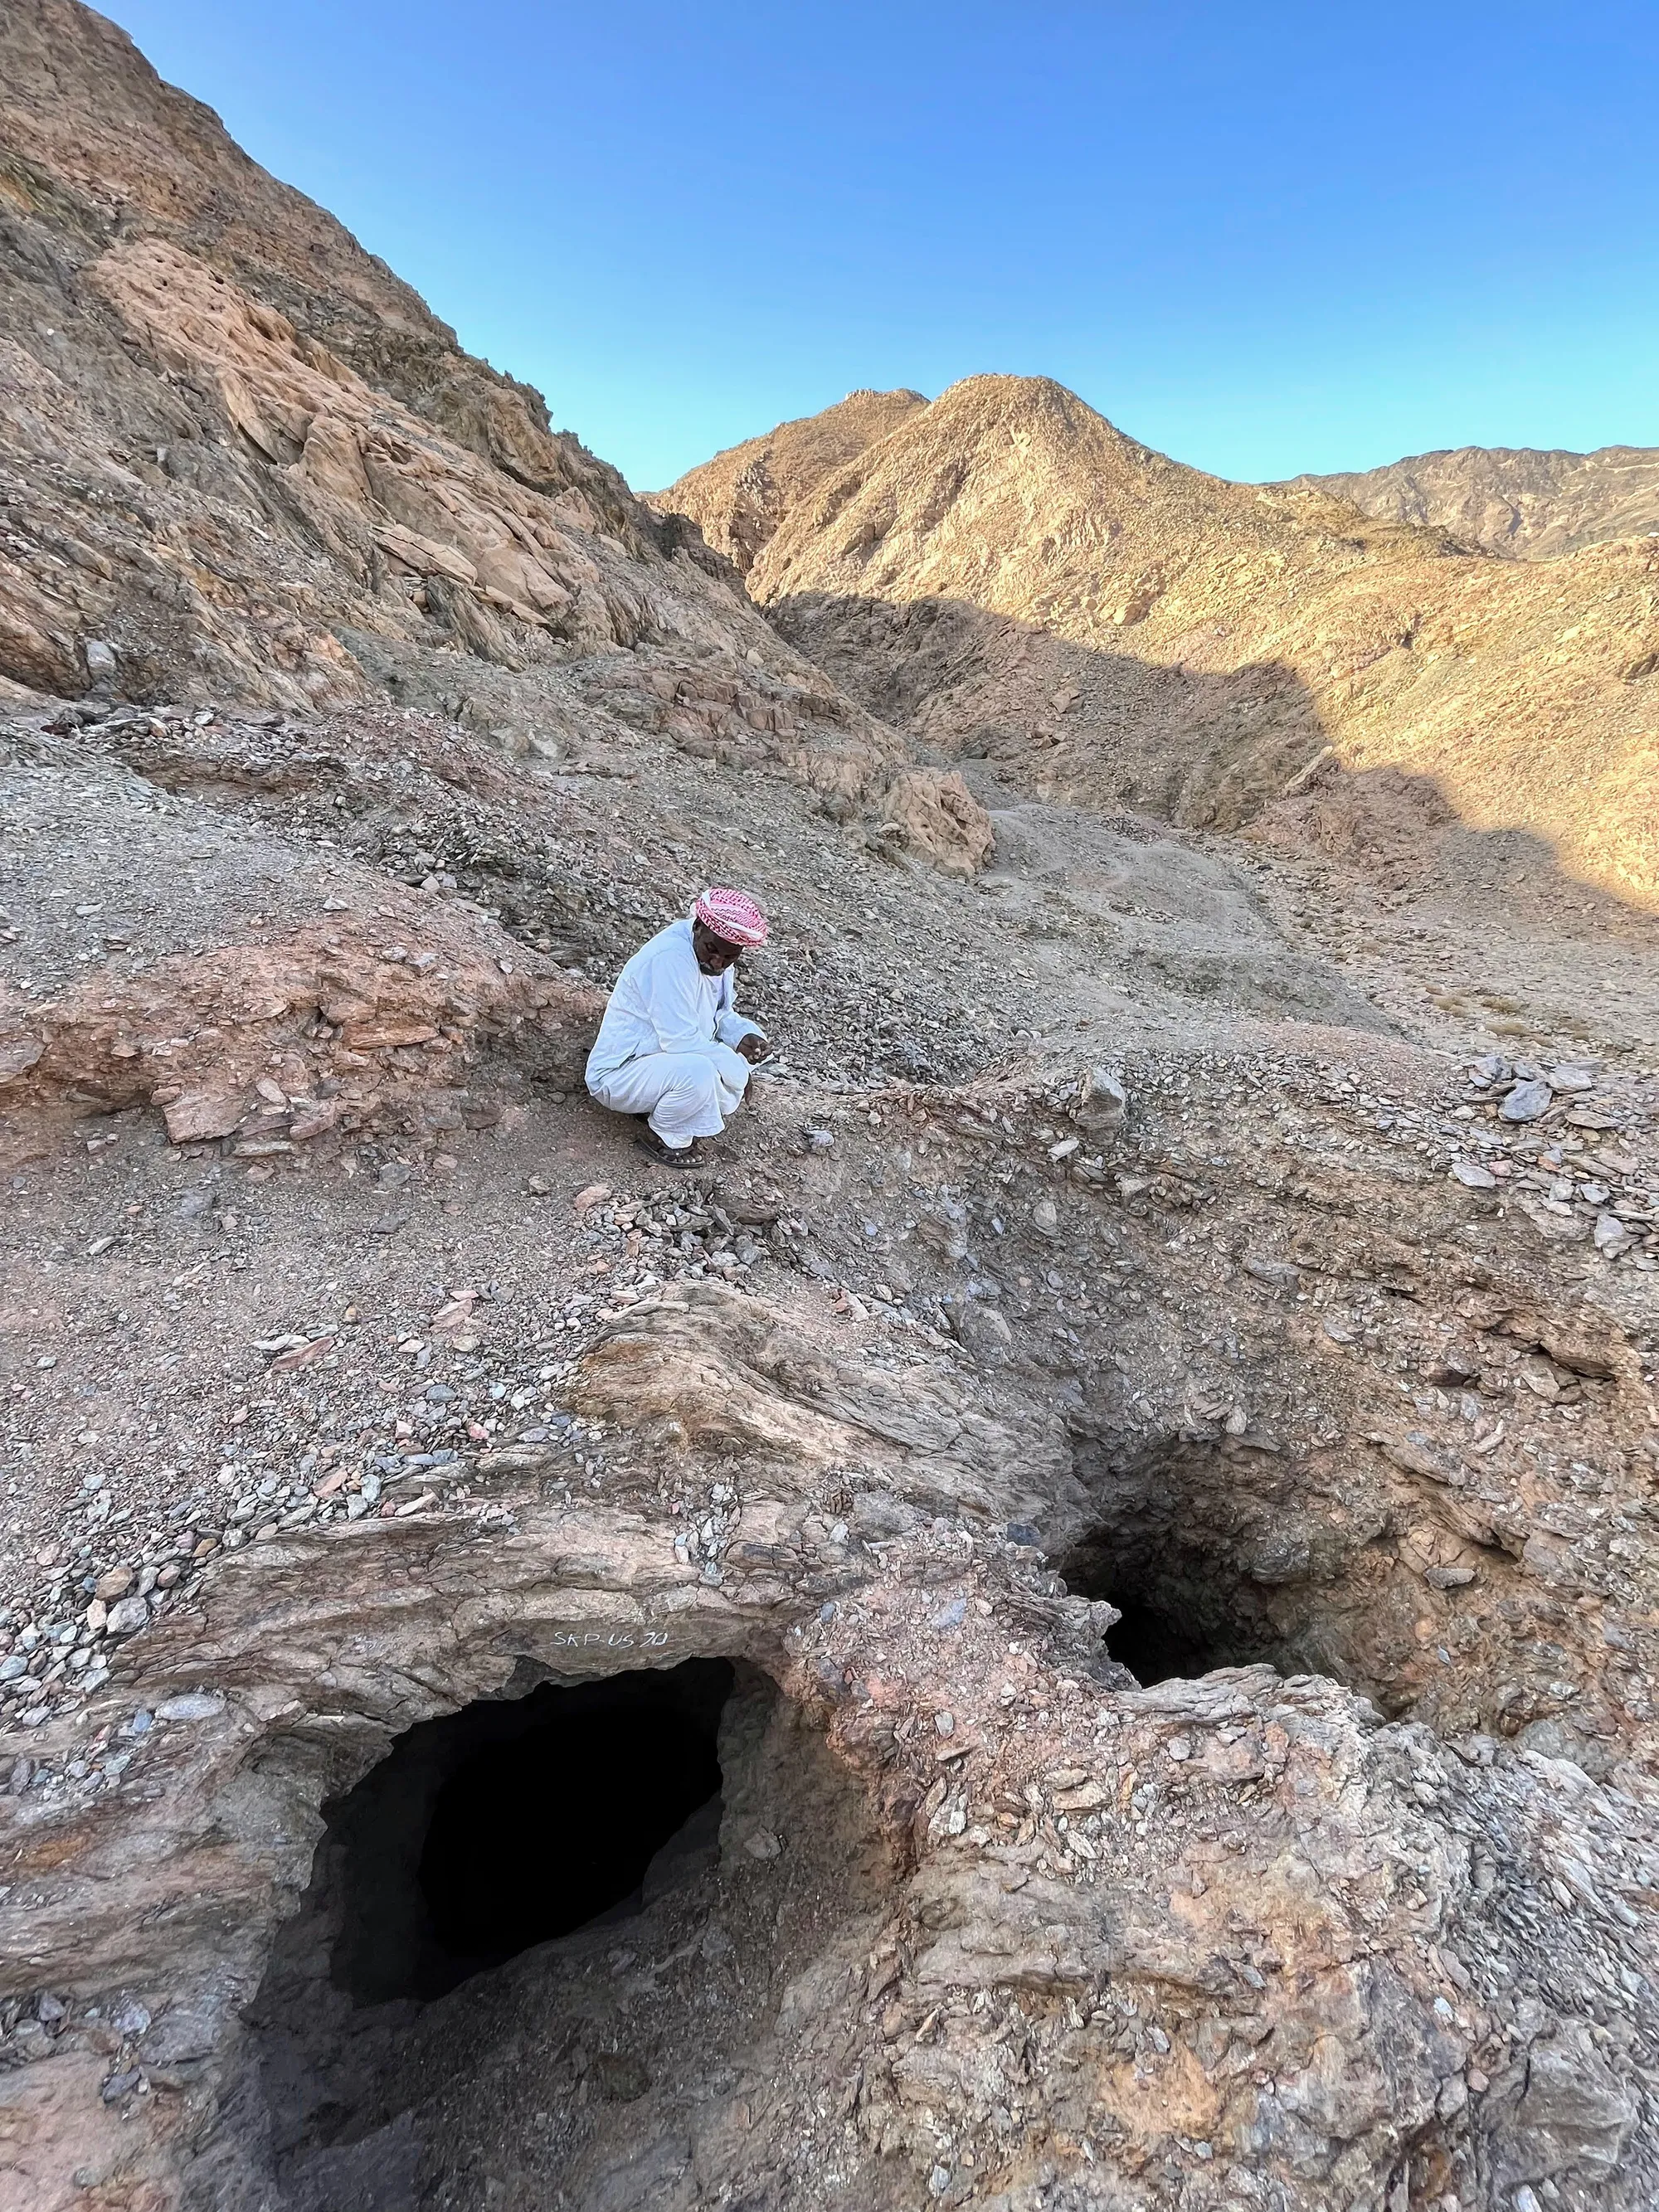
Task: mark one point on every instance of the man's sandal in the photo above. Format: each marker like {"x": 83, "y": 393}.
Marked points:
{"x": 666, "y": 1156}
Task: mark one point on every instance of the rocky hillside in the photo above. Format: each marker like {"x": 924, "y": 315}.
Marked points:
{"x": 1066, "y": 1622}
{"x": 240, "y": 460}
{"x": 738, "y": 498}
{"x": 1509, "y": 499}
{"x": 231, "y": 435}
{"x": 1010, "y": 577}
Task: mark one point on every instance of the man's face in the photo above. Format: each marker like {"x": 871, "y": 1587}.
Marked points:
{"x": 715, "y": 955}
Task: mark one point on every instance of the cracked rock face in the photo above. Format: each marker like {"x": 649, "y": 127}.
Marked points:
{"x": 980, "y": 1914}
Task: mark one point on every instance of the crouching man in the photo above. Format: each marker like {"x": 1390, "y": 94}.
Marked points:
{"x": 672, "y": 1047}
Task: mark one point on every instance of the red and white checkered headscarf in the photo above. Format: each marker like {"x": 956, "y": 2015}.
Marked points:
{"x": 732, "y": 915}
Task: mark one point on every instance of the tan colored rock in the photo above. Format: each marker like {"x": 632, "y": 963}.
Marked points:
{"x": 939, "y": 818}
{"x": 34, "y": 647}
{"x": 1525, "y": 503}
{"x": 738, "y": 498}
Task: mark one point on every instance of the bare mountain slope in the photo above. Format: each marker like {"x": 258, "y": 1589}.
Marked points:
{"x": 94, "y": 146}
{"x": 1015, "y": 578}
{"x": 1512, "y": 499}
{"x": 240, "y": 460}
{"x": 738, "y": 499}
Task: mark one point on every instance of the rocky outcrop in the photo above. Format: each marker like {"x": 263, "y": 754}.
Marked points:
{"x": 934, "y": 813}
{"x": 1220, "y": 1934}
{"x": 300, "y": 1003}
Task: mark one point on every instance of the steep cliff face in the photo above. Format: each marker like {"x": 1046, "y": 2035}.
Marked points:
{"x": 1009, "y": 576}
{"x": 1515, "y": 500}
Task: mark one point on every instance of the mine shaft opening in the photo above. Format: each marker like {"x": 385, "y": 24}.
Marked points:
{"x": 515, "y": 1822}
{"x": 1156, "y": 1645}
{"x": 1171, "y": 1625}
{"x": 1211, "y": 1561}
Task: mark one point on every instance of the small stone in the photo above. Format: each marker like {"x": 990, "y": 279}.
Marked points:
{"x": 1612, "y": 1236}
{"x": 314, "y": 1121}
{"x": 1527, "y": 1100}
{"x": 1472, "y": 1176}
{"x": 1278, "y": 1274}
{"x": 115, "y": 1583}
{"x": 127, "y": 1616}
{"x": 194, "y": 1705}
{"x": 1102, "y": 1103}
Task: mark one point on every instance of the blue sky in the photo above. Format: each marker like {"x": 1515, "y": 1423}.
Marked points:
{"x": 1261, "y": 237}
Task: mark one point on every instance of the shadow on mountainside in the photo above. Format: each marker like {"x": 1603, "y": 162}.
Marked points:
{"x": 1205, "y": 749}
{"x": 1198, "y": 748}
{"x": 1500, "y": 932}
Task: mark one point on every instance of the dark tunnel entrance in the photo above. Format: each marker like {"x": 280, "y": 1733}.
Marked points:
{"x": 532, "y": 1915}
{"x": 515, "y": 1822}
{"x": 1214, "y": 1559}
{"x": 1156, "y": 1645}
{"x": 1181, "y": 1614}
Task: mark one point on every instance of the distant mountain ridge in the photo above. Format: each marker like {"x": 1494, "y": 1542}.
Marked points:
{"x": 1011, "y": 578}
{"x": 1518, "y": 501}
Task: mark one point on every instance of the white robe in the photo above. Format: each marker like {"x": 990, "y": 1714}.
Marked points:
{"x": 665, "y": 1047}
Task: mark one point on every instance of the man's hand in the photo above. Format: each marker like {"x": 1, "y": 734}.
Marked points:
{"x": 754, "y": 1048}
